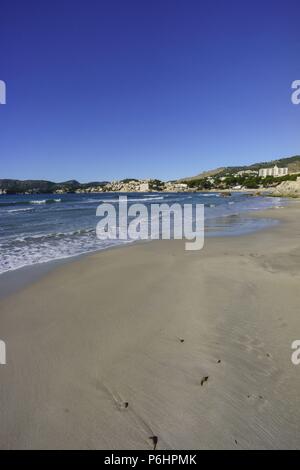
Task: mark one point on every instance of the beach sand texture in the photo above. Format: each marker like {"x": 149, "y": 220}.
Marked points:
{"x": 150, "y": 340}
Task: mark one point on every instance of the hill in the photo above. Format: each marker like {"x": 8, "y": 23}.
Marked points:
{"x": 293, "y": 164}
{"x": 204, "y": 174}
{"x": 12, "y": 186}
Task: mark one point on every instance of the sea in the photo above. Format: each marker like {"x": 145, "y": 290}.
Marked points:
{"x": 37, "y": 229}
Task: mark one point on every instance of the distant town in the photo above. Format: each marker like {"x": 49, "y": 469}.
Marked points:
{"x": 260, "y": 176}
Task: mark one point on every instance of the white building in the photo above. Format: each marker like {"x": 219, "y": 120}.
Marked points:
{"x": 180, "y": 185}
{"x": 247, "y": 172}
{"x": 144, "y": 187}
{"x": 275, "y": 171}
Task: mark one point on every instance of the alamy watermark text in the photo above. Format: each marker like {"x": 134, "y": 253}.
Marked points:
{"x": 2, "y": 92}
{"x": 296, "y": 93}
{"x": 151, "y": 222}
{"x": 2, "y": 353}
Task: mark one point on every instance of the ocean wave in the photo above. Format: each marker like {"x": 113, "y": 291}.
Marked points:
{"x": 33, "y": 201}
{"x": 40, "y": 237}
{"x": 20, "y": 210}
{"x": 49, "y": 233}
{"x": 50, "y": 250}
{"x": 129, "y": 199}
{"x": 44, "y": 201}
{"x": 145, "y": 199}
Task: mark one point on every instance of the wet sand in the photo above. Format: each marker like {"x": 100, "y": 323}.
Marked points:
{"x": 150, "y": 340}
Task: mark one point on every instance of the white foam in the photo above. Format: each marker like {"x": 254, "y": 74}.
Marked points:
{"x": 44, "y": 201}
{"x": 129, "y": 199}
{"x": 48, "y": 249}
{"x": 56, "y": 235}
{"x": 20, "y": 210}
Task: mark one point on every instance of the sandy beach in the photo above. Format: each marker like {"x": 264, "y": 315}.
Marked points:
{"x": 150, "y": 340}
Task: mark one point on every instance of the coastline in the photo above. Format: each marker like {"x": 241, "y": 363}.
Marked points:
{"x": 150, "y": 228}
{"x": 36, "y": 252}
{"x": 107, "y": 329}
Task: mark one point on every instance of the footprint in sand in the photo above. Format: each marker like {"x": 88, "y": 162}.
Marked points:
{"x": 136, "y": 419}
{"x": 115, "y": 396}
{"x": 204, "y": 379}
{"x": 254, "y": 345}
{"x": 124, "y": 405}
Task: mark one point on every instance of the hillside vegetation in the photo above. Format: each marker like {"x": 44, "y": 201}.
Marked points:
{"x": 219, "y": 178}
{"x": 293, "y": 164}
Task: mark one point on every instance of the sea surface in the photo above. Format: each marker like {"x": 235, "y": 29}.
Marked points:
{"x": 40, "y": 228}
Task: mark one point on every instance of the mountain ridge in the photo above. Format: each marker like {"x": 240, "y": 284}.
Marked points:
{"x": 293, "y": 164}
{"x": 13, "y": 186}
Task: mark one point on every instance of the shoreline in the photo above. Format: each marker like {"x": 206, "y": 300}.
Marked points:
{"x": 144, "y": 325}
{"x": 15, "y": 280}
{"x": 213, "y": 190}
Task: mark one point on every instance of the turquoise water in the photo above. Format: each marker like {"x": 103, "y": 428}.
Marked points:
{"x": 40, "y": 228}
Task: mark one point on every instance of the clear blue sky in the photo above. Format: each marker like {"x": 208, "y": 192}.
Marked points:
{"x": 110, "y": 89}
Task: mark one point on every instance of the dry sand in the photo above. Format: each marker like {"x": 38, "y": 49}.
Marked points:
{"x": 109, "y": 350}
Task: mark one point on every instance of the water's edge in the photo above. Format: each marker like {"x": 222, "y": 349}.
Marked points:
{"x": 13, "y": 281}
